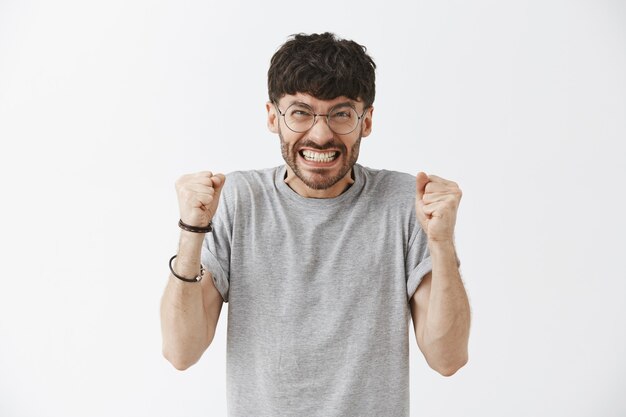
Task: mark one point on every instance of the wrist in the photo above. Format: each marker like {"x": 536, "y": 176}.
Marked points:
{"x": 441, "y": 242}
{"x": 196, "y": 229}
{"x": 441, "y": 247}
{"x": 191, "y": 237}
{"x": 189, "y": 247}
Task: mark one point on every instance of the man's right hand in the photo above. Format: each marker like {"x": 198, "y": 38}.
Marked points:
{"x": 198, "y": 196}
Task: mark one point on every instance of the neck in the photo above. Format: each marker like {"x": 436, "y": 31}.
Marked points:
{"x": 303, "y": 190}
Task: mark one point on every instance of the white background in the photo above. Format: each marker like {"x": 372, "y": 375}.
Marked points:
{"x": 104, "y": 104}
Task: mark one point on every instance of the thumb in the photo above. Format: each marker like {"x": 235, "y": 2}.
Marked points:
{"x": 421, "y": 181}
{"x": 218, "y": 184}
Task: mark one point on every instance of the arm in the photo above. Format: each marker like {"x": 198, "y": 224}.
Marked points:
{"x": 439, "y": 307}
{"x": 441, "y": 313}
{"x": 190, "y": 310}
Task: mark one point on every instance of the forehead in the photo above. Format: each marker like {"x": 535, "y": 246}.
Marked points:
{"x": 316, "y": 103}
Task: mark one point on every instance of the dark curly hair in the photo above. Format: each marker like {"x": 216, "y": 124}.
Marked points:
{"x": 323, "y": 66}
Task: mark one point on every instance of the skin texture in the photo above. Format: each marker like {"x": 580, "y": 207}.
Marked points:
{"x": 439, "y": 308}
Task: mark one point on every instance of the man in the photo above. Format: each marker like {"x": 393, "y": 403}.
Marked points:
{"x": 321, "y": 260}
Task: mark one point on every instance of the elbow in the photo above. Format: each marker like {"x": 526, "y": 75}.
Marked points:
{"x": 450, "y": 367}
{"x": 183, "y": 354}
{"x": 180, "y": 365}
{"x": 178, "y": 361}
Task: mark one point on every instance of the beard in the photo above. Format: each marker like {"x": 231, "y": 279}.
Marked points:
{"x": 319, "y": 179}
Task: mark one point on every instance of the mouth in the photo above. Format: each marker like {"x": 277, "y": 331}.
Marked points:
{"x": 317, "y": 157}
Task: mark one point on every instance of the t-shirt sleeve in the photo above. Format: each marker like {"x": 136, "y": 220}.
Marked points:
{"x": 216, "y": 249}
{"x": 418, "y": 262}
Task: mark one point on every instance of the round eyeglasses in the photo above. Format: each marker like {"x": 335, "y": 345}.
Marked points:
{"x": 341, "y": 119}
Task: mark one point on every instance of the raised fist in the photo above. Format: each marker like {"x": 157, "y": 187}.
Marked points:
{"x": 198, "y": 196}
{"x": 436, "y": 205}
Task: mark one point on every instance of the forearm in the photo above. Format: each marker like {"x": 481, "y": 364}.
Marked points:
{"x": 183, "y": 319}
{"x": 446, "y": 331}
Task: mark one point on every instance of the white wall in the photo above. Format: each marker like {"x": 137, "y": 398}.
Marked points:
{"x": 104, "y": 104}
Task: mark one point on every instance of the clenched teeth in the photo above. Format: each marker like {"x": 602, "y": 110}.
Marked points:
{"x": 319, "y": 156}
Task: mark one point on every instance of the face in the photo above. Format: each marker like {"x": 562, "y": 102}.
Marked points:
{"x": 318, "y": 158}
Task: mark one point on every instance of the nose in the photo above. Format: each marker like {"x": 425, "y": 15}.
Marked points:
{"x": 320, "y": 131}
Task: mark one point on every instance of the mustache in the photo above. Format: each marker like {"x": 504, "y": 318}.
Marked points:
{"x": 328, "y": 145}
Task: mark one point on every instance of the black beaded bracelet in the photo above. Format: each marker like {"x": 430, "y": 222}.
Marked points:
{"x": 196, "y": 279}
{"x": 195, "y": 229}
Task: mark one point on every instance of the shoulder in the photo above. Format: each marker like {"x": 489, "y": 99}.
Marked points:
{"x": 389, "y": 184}
{"x": 248, "y": 184}
{"x": 253, "y": 176}
{"x": 391, "y": 195}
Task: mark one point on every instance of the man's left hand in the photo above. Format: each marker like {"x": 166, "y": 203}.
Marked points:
{"x": 436, "y": 204}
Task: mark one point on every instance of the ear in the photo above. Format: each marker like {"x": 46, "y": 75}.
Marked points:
{"x": 366, "y": 124}
{"x": 272, "y": 117}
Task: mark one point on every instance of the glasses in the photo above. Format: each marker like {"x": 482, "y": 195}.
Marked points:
{"x": 341, "y": 119}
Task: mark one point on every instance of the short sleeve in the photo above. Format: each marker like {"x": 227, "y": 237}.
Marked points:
{"x": 217, "y": 268}
{"x": 418, "y": 262}
{"x": 216, "y": 249}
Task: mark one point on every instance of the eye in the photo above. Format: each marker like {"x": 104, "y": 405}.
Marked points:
{"x": 300, "y": 113}
{"x": 342, "y": 114}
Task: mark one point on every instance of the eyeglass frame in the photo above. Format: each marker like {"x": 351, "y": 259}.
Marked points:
{"x": 327, "y": 115}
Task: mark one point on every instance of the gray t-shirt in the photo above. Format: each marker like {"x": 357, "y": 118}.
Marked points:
{"x": 318, "y": 294}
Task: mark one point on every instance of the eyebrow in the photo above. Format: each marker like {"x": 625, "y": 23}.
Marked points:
{"x": 342, "y": 104}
